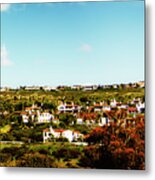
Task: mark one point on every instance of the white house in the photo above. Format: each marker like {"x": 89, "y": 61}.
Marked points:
{"x": 65, "y": 133}
{"x": 49, "y": 88}
{"x": 106, "y": 108}
{"x": 44, "y": 117}
{"x": 47, "y": 133}
{"x": 102, "y": 106}
{"x": 89, "y": 87}
{"x": 32, "y": 109}
{"x": 35, "y": 115}
{"x": 103, "y": 121}
{"x": 124, "y": 106}
{"x": 25, "y": 117}
{"x": 31, "y": 88}
{"x": 140, "y": 107}
{"x": 79, "y": 121}
{"x": 98, "y": 107}
{"x": 113, "y": 103}
{"x": 28, "y": 116}
{"x": 57, "y": 133}
{"x": 69, "y": 108}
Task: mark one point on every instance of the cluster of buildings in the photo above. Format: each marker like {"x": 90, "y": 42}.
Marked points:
{"x": 35, "y": 114}
{"x": 139, "y": 84}
{"x": 98, "y": 114}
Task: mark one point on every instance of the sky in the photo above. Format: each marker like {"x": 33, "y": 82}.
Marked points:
{"x": 72, "y": 43}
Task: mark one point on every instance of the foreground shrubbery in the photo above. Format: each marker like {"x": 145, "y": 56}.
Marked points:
{"x": 36, "y": 160}
{"x": 110, "y": 147}
{"x": 41, "y": 155}
{"x": 113, "y": 147}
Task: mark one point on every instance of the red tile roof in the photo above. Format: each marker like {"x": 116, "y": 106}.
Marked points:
{"x": 132, "y": 109}
{"x": 59, "y": 130}
{"x": 23, "y": 113}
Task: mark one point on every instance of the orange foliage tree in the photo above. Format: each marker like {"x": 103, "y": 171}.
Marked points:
{"x": 115, "y": 147}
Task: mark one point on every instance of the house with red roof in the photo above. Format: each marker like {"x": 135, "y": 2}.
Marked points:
{"x": 44, "y": 117}
{"x": 66, "y": 107}
{"x": 101, "y": 106}
{"x": 34, "y": 114}
{"x": 58, "y": 133}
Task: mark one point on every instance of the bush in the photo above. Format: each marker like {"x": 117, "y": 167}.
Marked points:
{"x": 36, "y": 160}
{"x": 66, "y": 153}
{"x": 4, "y": 158}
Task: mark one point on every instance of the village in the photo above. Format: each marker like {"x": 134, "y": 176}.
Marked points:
{"x": 98, "y": 114}
{"x": 69, "y": 127}
{"x": 69, "y": 120}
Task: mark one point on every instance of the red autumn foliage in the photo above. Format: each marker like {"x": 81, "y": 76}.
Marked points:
{"x": 116, "y": 147}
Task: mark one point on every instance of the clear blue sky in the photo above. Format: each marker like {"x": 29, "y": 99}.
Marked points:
{"x": 72, "y": 43}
